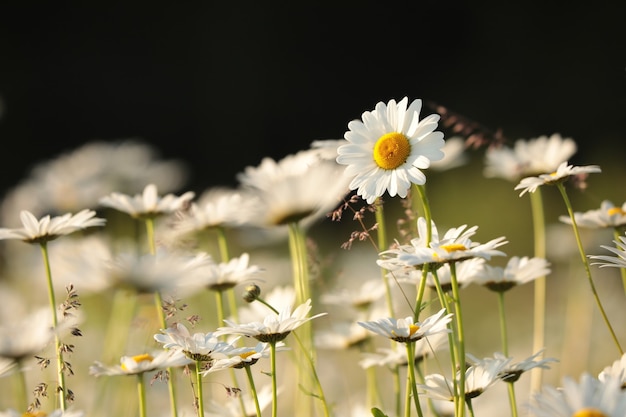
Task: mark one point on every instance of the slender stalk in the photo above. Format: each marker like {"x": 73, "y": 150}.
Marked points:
{"x": 141, "y": 393}
{"x": 585, "y": 261}
{"x": 505, "y": 350}
{"x": 460, "y": 339}
{"x": 20, "y": 388}
{"x": 512, "y": 400}
{"x": 539, "y": 302}
{"x": 199, "y": 389}
{"x": 225, "y": 257}
{"x": 410, "y": 354}
{"x": 57, "y": 342}
{"x": 255, "y": 397}
{"x": 273, "y": 371}
{"x": 158, "y": 301}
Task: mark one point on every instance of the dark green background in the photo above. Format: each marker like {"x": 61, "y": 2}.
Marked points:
{"x": 222, "y": 85}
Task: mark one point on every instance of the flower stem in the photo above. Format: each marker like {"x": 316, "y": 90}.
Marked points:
{"x": 460, "y": 340}
{"x": 410, "y": 354}
{"x": 586, "y": 264}
{"x": 253, "y": 391}
{"x": 512, "y": 401}
{"x": 539, "y": 304}
{"x": 616, "y": 236}
{"x": 199, "y": 389}
{"x": 503, "y": 330}
{"x": 57, "y": 342}
{"x": 273, "y": 370}
{"x": 141, "y": 392}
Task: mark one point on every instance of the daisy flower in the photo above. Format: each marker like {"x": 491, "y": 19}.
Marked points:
{"x": 389, "y": 148}
{"x": 618, "y": 261}
{"x": 562, "y": 173}
{"x": 528, "y": 157}
{"x": 47, "y": 228}
{"x": 589, "y": 397}
{"x": 512, "y": 371}
{"x": 27, "y": 336}
{"x": 616, "y": 370}
{"x": 454, "y": 155}
{"x": 243, "y": 356}
{"x": 367, "y": 293}
{"x": 225, "y": 275}
{"x": 138, "y": 364}
{"x": 54, "y": 413}
{"x": 343, "y": 335}
{"x": 517, "y": 271}
{"x": 299, "y": 188}
{"x": 147, "y": 204}
{"x": 424, "y": 348}
{"x": 405, "y": 331}
{"x": 608, "y": 215}
{"x": 478, "y": 378}
{"x": 275, "y": 327}
{"x": 232, "y": 408}
{"x": 199, "y": 346}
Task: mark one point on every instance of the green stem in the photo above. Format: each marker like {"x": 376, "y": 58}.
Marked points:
{"x": 273, "y": 370}
{"x": 141, "y": 392}
{"x": 586, "y": 264}
{"x": 158, "y": 301}
{"x": 222, "y": 243}
{"x": 20, "y": 387}
{"x": 539, "y": 304}
{"x": 503, "y": 330}
{"x": 460, "y": 339}
{"x": 253, "y": 391}
{"x": 57, "y": 342}
{"x": 410, "y": 353}
{"x": 512, "y": 401}
{"x": 199, "y": 389}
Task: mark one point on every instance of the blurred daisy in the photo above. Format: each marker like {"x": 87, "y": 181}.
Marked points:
{"x": 47, "y": 228}
{"x": 166, "y": 271}
{"x": 528, "y": 157}
{"x": 216, "y": 207}
{"x": 389, "y": 148}
{"x": 618, "y": 261}
{"x": 512, "y": 371}
{"x": 139, "y": 364}
{"x": 608, "y": 215}
{"x": 478, "y": 378}
{"x": 199, "y": 346}
{"x": 342, "y": 335}
{"x": 225, "y": 275}
{"x": 517, "y": 271}
{"x": 327, "y": 148}
{"x": 147, "y": 204}
{"x": 589, "y": 397}
{"x": 300, "y": 188}
{"x": 26, "y": 336}
{"x": 405, "y": 331}
{"x": 360, "y": 298}
{"x": 616, "y": 370}
{"x": 77, "y": 179}
{"x": 454, "y": 155}
{"x": 232, "y": 407}
{"x": 275, "y": 327}
{"x": 424, "y": 348}
{"x": 562, "y": 173}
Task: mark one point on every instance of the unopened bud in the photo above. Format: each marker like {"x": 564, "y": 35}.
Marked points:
{"x": 252, "y": 293}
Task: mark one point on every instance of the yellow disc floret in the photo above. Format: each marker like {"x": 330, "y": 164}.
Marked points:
{"x": 34, "y": 414}
{"x": 391, "y": 150}
{"x": 139, "y": 358}
{"x": 589, "y": 412}
{"x": 616, "y": 210}
{"x": 453, "y": 247}
{"x": 413, "y": 329}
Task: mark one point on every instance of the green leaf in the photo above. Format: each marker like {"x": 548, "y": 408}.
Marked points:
{"x": 377, "y": 413}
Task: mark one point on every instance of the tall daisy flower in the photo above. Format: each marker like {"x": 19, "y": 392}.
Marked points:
{"x": 388, "y": 149}
{"x": 54, "y": 413}
{"x": 562, "y": 173}
{"x": 405, "y": 330}
{"x": 518, "y": 271}
{"x": 148, "y": 204}
{"x": 587, "y": 397}
{"x": 139, "y": 364}
{"x": 608, "y": 215}
{"x": 616, "y": 370}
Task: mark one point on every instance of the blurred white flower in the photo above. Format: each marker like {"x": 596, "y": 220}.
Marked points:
{"x": 405, "y": 330}
{"x": 148, "y": 204}
{"x": 608, "y": 215}
{"x": 562, "y": 173}
{"x": 139, "y": 364}
{"x": 26, "y": 336}
{"x": 197, "y": 346}
{"x": 517, "y": 271}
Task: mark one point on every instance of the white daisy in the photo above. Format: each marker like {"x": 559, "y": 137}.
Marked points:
{"x": 244, "y": 356}
{"x": 589, "y": 397}
{"x": 366, "y": 294}
{"x": 608, "y": 215}
{"x": 424, "y": 348}
{"x": 387, "y": 150}
{"x": 139, "y": 364}
{"x": 512, "y": 371}
{"x": 54, "y": 413}
{"x": 199, "y": 346}
{"x": 454, "y": 155}
{"x": 562, "y": 173}
{"x": 517, "y": 271}
{"x": 275, "y": 327}
{"x": 147, "y": 204}
{"x": 528, "y": 157}
{"x": 618, "y": 261}
{"x": 616, "y": 370}
{"x": 405, "y": 330}
{"x": 47, "y": 228}
{"x": 225, "y": 275}
{"x": 342, "y": 335}
{"x": 26, "y": 336}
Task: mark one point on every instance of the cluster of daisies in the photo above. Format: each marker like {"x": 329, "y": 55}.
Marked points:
{"x": 148, "y": 254}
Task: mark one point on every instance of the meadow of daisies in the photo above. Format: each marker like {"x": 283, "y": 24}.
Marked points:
{"x": 416, "y": 267}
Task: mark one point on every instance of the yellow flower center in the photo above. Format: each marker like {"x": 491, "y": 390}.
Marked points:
{"x": 246, "y": 354}
{"x": 34, "y": 414}
{"x": 413, "y": 329}
{"x": 391, "y": 150}
{"x": 589, "y": 412}
{"x": 453, "y": 247}
{"x": 139, "y": 358}
{"x": 616, "y": 210}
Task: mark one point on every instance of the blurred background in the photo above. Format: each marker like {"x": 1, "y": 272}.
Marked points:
{"x": 222, "y": 84}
